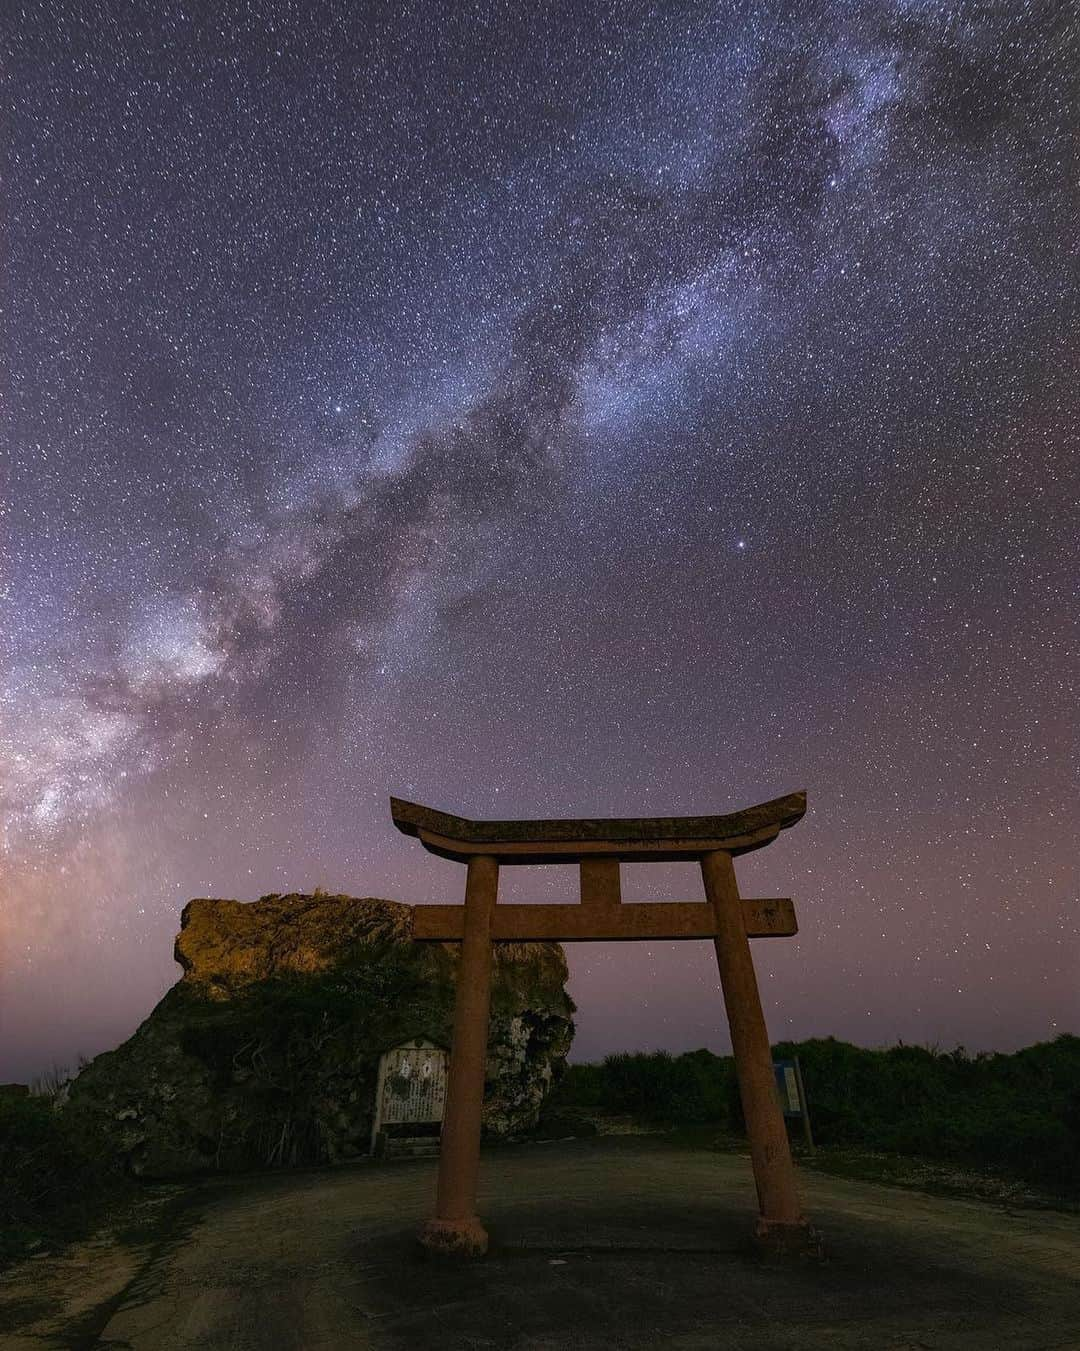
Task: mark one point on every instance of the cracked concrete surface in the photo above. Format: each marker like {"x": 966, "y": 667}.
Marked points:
{"x": 625, "y": 1243}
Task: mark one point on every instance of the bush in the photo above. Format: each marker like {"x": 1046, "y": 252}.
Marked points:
{"x": 657, "y": 1087}
{"x": 56, "y": 1175}
{"x": 1017, "y": 1114}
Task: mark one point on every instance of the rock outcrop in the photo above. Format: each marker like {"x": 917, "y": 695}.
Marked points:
{"x": 266, "y": 1050}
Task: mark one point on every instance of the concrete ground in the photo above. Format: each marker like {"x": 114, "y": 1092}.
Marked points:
{"x": 621, "y": 1243}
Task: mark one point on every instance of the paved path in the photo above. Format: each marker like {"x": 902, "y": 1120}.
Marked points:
{"x": 628, "y": 1243}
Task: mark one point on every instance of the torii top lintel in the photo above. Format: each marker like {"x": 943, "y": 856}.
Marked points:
{"x": 648, "y": 839}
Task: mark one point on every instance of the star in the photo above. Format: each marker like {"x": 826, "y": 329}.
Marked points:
{"x": 595, "y": 297}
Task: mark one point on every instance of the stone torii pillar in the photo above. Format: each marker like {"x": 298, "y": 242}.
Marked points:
{"x": 598, "y": 847}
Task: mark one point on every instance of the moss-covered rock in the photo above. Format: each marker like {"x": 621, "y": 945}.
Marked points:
{"x": 266, "y": 1051}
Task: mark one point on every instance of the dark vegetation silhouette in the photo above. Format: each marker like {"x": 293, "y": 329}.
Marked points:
{"x": 57, "y": 1179}
{"x": 1016, "y": 1115}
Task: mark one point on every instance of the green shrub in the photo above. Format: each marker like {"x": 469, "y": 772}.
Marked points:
{"x": 655, "y": 1086}
{"x": 1017, "y": 1114}
{"x": 56, "y": 1175}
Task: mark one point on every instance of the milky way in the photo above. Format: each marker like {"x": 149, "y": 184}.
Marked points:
{"x": 556, "y": 410}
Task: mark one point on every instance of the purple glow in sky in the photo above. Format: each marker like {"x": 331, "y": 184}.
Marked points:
{"x": 589, "y": 409}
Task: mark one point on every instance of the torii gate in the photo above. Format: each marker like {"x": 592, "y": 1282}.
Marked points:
{"x": 598, "y": 847}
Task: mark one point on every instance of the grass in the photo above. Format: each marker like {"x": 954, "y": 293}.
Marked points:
{"x": 1012, "y": 1117}
{"x": 937, "y": 1179}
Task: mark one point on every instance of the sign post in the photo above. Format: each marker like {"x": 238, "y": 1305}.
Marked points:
{"x": 791, "y": 1091}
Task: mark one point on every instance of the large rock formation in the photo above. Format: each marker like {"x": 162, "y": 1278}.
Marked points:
{"x": 266, "y": 1051}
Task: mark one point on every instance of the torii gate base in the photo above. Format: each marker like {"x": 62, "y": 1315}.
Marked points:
{"x": 598, "y": 847}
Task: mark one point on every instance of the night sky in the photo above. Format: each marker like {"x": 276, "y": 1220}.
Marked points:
{"x": 555, "y": 410}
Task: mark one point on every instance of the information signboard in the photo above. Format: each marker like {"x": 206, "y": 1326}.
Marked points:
{"x": 792, "y": 1095}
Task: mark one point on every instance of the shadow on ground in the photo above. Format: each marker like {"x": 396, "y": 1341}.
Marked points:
{"x": 628, "y": 1244}
{"x": 641, "y": 1273}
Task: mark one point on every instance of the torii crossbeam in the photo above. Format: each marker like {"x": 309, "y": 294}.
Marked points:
{"x": 598, "y": 847}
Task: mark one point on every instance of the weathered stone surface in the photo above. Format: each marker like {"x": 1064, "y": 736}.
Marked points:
{"x": 266, "y": 1050}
